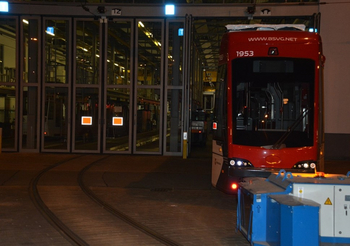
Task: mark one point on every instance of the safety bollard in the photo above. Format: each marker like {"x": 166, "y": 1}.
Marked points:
{"x": 184, "y": 151}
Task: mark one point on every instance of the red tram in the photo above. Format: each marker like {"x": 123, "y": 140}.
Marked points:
{"x": 268, "y": 104}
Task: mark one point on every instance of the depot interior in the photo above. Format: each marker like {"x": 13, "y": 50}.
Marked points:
{"x": 101, "y": 77}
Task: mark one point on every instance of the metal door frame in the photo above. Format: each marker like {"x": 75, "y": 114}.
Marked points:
{"x": 136, "y": 87}
{"x": 75, "y": 86}
{"x": 67, "y": 85}
{"x": 22, "y": 84}
{"x": 183, "y": 87}
{"x": 130, "y": 87}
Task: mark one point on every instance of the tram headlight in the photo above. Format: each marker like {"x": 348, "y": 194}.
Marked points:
{"x": 305, "y": 165}
{"x": 235, "y": 162}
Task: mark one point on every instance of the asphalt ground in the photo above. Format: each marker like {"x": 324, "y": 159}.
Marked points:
{"x": 171, "y": 195}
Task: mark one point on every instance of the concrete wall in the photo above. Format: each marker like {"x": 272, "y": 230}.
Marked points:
{"x": 335, "y": 32}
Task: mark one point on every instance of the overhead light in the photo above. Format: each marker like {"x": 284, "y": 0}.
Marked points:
{"x": 4, "y": 6}
{"x": 169, "y": 9}
{"x": 50, "y": 30}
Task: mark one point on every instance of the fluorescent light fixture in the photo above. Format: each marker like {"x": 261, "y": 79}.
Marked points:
{"x": 180, "y": 32}
{"x": 169, "y": 9}
{"x": 4, "y": 6}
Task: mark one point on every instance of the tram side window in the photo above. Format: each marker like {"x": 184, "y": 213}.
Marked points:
{"x": 220, "y": 102}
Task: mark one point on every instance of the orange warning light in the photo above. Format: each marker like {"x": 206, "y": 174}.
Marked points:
{"x": 86, "y": 120}
{"x": 320, "y": 175}
{"x": 117, "y": 121}
{"x": 234, "y": 186}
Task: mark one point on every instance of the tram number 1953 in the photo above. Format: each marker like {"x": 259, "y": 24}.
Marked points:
{"x": 242, "y": 53}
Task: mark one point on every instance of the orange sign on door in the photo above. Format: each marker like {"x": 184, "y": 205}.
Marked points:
{"x": 117, "y": 121}
{"x": 86, "y": 120}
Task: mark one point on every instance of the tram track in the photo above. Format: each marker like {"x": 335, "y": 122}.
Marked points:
{"x": 47, "y": 213}
{"x": 65, "y": 230}
{"x": 127, "y": 219}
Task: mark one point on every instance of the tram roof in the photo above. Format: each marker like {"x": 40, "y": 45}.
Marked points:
{"x": 265, "y": 27}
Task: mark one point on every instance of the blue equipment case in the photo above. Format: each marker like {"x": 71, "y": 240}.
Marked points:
{"x": 293, "y": 209}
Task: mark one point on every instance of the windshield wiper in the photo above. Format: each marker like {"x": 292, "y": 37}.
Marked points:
{"x": 290, "y": 129}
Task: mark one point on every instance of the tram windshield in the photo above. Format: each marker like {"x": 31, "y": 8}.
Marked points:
{"x": 273, "y": 102}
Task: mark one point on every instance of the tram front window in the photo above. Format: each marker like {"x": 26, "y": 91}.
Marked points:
{"x": 273, "y": 102}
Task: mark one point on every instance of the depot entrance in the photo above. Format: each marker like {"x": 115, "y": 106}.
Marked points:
{"x": 108, "y": 85}
{"x": 127, "y": 86}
